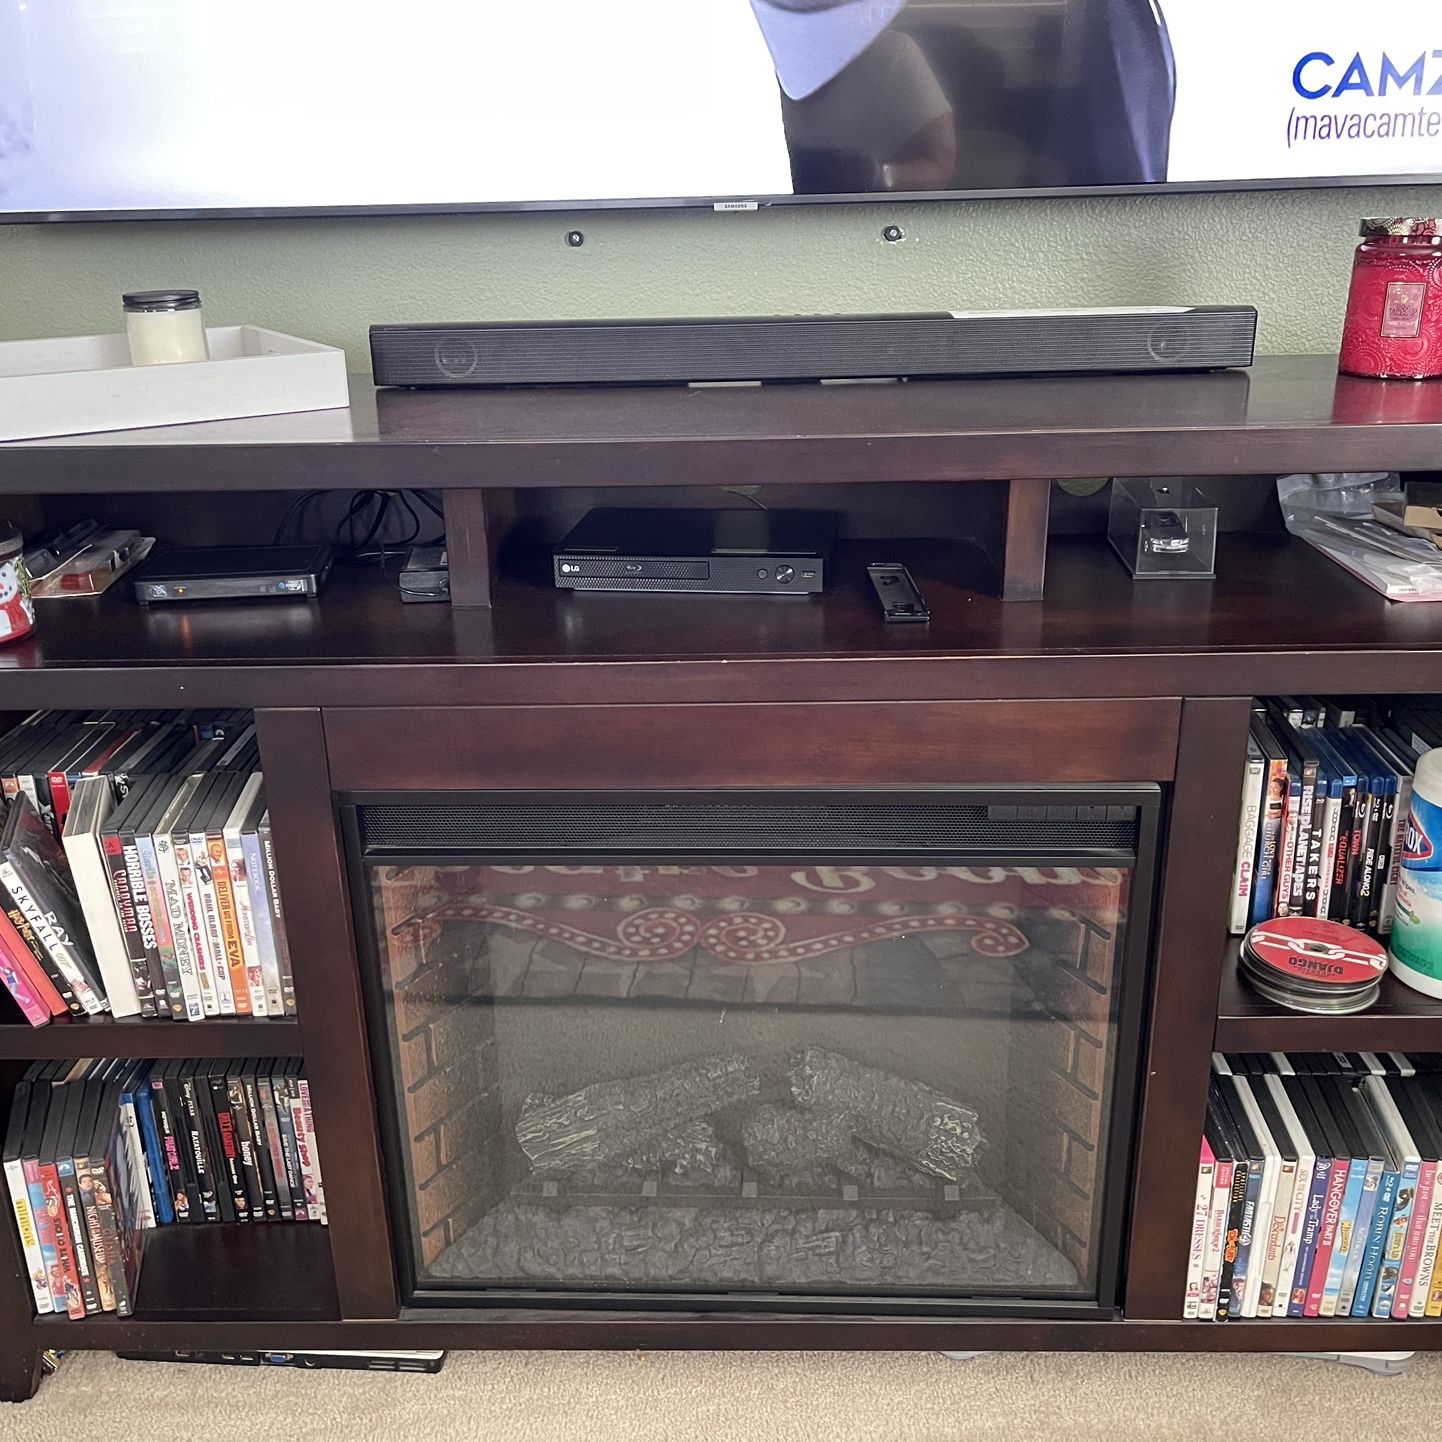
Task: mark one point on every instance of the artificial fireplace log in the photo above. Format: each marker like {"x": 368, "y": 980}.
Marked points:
{"x": 905, "y": 1118}
{"x": 690, "y": 1151}
{"x": 611, "y": 1121}
{"x": 787, "y": 1144}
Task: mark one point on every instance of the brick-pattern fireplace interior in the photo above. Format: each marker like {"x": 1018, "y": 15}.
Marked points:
{"x": 444, "y": 1049}
{"x": 492, "y": 1021}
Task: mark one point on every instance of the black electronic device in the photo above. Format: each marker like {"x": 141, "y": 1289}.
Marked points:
{"x": 900, "y": 600}
{"x": 426, "y": 575}
{"x": 230, "y": 573}
{"x": 431, "y": 1362}
{"x": 815, "y": 347}
{"x": 750, "y": 552}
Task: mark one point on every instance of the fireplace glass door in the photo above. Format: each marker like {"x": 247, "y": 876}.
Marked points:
{"x": 822, "y": 1049}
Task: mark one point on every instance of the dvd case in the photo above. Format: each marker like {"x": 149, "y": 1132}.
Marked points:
{"x": 1317, "y": 1189}
{"x": 136, "y": 869}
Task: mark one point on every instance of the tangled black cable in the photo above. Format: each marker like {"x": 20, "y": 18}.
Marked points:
{"x": 361, "y": 534}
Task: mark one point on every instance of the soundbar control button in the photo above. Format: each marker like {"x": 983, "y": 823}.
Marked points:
{"x": 785, "y": 574}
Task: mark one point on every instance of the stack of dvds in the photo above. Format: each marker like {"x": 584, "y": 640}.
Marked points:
{"x": 98, "y": 1154}
{"x": 137, "y": 870}
{"x": 1307, "y": 964}
{"x": 1324, "y": 809}
{"x": 1318, "y": 1193}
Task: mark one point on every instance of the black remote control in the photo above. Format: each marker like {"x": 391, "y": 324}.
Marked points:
{"x": 900, "y": 600}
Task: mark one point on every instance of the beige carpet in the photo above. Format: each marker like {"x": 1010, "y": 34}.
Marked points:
{"x": 739, "y": 1397}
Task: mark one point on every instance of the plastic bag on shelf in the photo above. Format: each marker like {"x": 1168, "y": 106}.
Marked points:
{"x": 1333, "y": 511}
{"x": 1339, "y": 493}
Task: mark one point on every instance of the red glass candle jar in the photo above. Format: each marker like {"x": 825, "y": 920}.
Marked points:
{"x": 1394, "y": 309}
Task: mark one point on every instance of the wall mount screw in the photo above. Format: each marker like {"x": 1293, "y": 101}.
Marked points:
{"x": 575, "y": 238}
{"x": 893, "y": 233}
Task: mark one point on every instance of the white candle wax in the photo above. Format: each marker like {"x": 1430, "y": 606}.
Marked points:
{"x": 164, "y": 337}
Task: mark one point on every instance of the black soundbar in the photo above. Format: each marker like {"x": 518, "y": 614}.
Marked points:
{"x": 798, "y": 348}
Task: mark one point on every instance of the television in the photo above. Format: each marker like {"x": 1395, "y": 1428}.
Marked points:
{"x": 150, "y": 108}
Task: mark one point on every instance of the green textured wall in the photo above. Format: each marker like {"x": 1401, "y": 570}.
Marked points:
{"x": 1286, "y": 252}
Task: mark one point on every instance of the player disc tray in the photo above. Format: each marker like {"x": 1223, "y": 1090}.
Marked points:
{"x": 1307, "y": 964}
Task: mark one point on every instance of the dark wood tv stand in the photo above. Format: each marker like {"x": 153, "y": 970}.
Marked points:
{"x": 1042, "y": 662}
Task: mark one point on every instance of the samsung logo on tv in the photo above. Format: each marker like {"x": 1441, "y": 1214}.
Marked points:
{"x": 1314, "y": 76}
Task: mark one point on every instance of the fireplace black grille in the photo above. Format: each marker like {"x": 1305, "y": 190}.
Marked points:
{"x": 1003, "y": 827}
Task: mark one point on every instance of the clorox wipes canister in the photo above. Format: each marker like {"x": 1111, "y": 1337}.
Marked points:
{"x": 1416, "y": 942}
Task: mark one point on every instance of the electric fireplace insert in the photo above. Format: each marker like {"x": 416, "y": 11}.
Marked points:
{"x": 825, "y": 1051}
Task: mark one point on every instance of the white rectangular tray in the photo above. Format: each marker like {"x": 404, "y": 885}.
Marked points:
{"x": 74, "y": 384}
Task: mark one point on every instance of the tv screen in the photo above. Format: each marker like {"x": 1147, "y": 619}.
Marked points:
{"x": 236, "y": 106}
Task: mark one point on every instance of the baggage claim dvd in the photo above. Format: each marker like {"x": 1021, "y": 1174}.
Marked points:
{"x": 1306, "y": 964}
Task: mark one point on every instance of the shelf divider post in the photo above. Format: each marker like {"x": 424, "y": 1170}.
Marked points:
{"x": 476, "y": 523}
{"x": 315, "y": 893}
{"x": 1189, "y": 949}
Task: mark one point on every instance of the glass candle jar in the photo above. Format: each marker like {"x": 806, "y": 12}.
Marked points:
{"x": 17, "y": 610}
{"x": 1394, "y": 309}
{"x": 164, "y": 327}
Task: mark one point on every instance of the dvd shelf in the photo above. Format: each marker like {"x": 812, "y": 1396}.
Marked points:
{"x": 1322, "y": 823}
{"x": 137, "y": 869}
{"x": 1324, "y": 808}
{"x": 137, "y": 1039}
{"x": 1324, "y": 1128}
{"x": 100, "y": 1155}
{"x": 1399, "y": 1020}
{"x": 1317, "y": 1190}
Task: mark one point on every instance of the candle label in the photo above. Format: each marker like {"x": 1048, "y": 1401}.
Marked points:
{"x": 1402, "y": 309}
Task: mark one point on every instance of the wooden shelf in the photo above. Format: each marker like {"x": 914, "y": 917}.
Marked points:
{"x": 133, "y": 1037}
{"x": 280, "y": 1270}
{"x": 1278, "y": 618}
{"x": 215, "y": 1275}
{"x": 1400, "y": 1020}
{"x": 1287, "y": 413}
